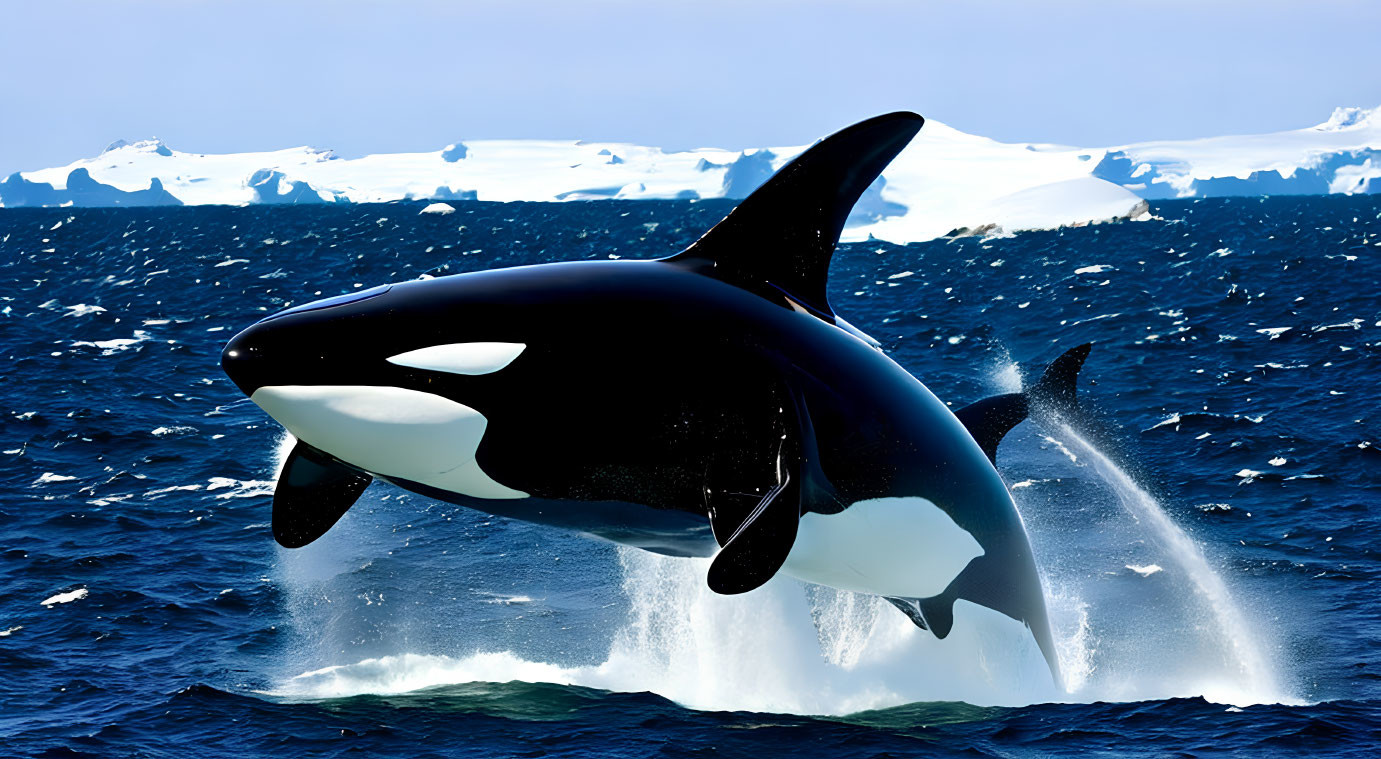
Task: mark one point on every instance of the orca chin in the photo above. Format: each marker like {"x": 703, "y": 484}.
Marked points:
{"x": 390, "y": 432}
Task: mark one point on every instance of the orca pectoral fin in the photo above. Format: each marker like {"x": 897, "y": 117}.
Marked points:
{"x": 760, "y": 544}
{"x": 313, "y": 493}
{"x": 759, "y": 547}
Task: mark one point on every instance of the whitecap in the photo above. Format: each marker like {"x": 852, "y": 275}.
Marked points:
{"x": 171, "y": 489}
{"x": 1167, "y": 422}
{"x": 48, "y": 477}
{"x": 503, "y": 600}
{"x": 111, "y": 347}
{"x": 240, "y": 488}
{"x": 82, "y": 309}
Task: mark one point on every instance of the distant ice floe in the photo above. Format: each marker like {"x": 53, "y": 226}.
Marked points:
{"x": 64, "y": 598}
{"x": 175, "y": 430}
{"x": 439, "y": 208}
{"x": 946, "y": 182}
{"x": 1247, "y": 475}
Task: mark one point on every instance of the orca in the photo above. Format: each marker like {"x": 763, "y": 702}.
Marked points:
{"x": 708, "y": 404}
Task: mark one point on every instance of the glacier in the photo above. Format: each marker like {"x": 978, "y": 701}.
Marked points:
{"x": 947, "y": 182}
{"x": 1341, "y": 155}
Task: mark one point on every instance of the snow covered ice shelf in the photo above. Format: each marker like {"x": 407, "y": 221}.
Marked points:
{"x": 945, "y": 180}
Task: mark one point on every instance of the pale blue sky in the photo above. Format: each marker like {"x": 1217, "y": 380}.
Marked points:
{"x": 364, "y": 77}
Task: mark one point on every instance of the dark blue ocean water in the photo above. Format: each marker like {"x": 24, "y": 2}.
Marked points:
{"x": 1228, "y": 554}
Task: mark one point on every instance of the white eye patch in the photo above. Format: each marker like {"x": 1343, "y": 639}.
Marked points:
{"x": 461, "y": 358}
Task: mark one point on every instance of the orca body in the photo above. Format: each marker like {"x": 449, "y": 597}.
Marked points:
{"x": 708, "y": 404}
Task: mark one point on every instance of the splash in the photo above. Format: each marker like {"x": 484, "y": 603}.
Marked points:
{"x": 783, "y": 648}
{"x": 1121, "y": 635}
{"x": 1222, "y": 644}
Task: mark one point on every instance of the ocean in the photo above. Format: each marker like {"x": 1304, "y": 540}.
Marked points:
{"x": 1206, "y": 549}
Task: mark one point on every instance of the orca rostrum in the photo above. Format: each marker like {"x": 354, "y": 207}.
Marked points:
{"x": 707, "y": 404}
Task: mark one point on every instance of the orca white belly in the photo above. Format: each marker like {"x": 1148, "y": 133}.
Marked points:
{"x": 906, "y": 547}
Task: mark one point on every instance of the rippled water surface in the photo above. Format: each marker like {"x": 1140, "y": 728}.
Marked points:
{"x": 1207, "y": 545}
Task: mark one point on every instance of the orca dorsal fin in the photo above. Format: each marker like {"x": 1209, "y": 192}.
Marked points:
{"x": 783, "y": 234}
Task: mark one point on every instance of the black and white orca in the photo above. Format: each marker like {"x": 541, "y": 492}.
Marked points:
{"x": 706, "y": 404}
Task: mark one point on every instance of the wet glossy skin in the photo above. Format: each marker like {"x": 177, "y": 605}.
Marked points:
{"x": 650, "y": 396}
{"x": 694, "y": 406}
{"x": 654, "y": 410}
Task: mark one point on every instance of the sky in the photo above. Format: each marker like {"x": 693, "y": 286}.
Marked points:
{"x": 410, "y": 75}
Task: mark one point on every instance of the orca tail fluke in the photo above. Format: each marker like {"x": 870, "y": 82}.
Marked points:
{"x": 1057, "y": 388}
{"x": 990, "y": 419}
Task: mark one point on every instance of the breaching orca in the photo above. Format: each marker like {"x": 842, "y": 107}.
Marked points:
{"x": 706, "y": 404}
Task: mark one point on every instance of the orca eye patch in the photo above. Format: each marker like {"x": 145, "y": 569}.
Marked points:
{"x": 461, "y": 358}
